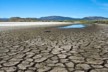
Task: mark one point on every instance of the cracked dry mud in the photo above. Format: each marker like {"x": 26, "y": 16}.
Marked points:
{"x": 54, "y": 50}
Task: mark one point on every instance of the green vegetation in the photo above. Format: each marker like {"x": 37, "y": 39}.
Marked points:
{"x": 95, "y": 22}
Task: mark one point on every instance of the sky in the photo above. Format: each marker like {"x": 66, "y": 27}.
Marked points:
{"x": 41, "y": 8}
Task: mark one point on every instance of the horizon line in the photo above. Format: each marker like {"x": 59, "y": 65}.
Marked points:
{"x": 53, "y": 15}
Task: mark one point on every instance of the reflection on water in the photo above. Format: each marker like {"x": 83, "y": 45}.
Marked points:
{"x": 73, "y": 26}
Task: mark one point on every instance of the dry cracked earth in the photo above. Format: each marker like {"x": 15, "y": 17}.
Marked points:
{"x": 54, "y": 50}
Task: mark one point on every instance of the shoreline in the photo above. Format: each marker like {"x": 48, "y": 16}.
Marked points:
{"x": 4, "y": 26}
{"x": 38, "y": 24}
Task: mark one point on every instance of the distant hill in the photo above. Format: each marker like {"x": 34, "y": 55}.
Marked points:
{"x": 94, "y": 18}
{"x": 61, "y": 18}
{"x": 57, "y": 18}
{"x": 50, "y": 18}
{"x": 18, "y": 19}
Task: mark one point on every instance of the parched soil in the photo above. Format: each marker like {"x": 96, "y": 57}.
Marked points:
{"x": 54, "y": 50}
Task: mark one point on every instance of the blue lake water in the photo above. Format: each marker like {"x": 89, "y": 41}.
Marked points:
{"x": 73, "y": 26}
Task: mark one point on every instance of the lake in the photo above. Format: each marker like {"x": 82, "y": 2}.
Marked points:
{"x": 74, "y": 26}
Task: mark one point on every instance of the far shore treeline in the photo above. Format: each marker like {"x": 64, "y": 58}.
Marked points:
{"x": 18, "y": 19}
{"x": 90, "y": 20}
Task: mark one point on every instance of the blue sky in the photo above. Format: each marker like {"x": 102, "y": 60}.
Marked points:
{"x": 39, "y": 8}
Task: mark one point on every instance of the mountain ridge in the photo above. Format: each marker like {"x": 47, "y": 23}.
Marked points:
{"x": 56, "y": 18}
{"x": 60, "y": 18}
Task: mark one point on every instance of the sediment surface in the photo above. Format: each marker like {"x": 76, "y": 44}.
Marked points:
{"x": 54, "y": 50}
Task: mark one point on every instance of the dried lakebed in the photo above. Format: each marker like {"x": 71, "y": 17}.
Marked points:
{"x": 54, "y": 50}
